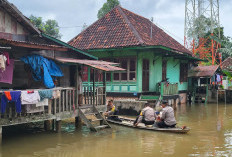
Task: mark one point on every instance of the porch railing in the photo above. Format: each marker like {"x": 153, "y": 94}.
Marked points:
{"x": 167, "y": 89}
{"x": 64, "y": 106}
{"x": 91, "y": 97}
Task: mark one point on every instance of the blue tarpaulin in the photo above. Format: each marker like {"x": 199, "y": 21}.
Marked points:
{"x": 43, "y": 69}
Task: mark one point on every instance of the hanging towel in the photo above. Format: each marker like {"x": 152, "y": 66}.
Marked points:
{"x": 43, "y": 69}
{"x": 31, "y": 108}
{"x": 7, "y": 58}
{"x": 15, "y": 97}
{"x": 7, "y": 75}
{"x": 3, "y": 60}
{"x": 44, "y": 102}
{"x": 30, "y": 98}
{"x": 45, "y": 94}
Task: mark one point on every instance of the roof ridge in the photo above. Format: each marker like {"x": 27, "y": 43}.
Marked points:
{"x": 71, "y": 40}
{"x": 130, "y": 25}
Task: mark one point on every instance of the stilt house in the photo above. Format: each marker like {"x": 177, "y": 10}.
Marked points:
{"x": 149, "y": 55}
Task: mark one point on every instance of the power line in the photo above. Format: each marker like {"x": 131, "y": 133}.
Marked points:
{"x": 174, "y": 35}
{"x": 69, "y": 26}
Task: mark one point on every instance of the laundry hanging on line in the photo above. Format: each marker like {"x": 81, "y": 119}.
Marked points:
{"x": 15, "y": 98}
{"x": 45, "y": 94}
{"x": 7, "y": 75}
{"x": 43, "y": 69}
{"x": 30, "y": 97}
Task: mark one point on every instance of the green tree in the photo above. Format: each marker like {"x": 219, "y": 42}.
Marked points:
{"x": 37, "y": 21}
{"x": 107, "y": 7}
{"x": 49, "y": 27}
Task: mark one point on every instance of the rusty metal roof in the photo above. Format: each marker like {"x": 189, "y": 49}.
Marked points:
{"x": 32, "y": 45}
{"x": 227, "y": 64}
{"x": 203, "y": 71}
{"x": 101, "y": 65}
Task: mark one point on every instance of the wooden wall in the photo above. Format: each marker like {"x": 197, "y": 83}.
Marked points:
{"x": 10, "y": 28}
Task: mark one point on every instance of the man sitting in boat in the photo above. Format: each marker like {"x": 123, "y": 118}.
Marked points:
{"x": 147, "y": 116}
{"x": 111, "y": 112}
{"x": 167, "y": 118}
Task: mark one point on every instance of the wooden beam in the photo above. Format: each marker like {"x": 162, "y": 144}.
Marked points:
{"x": 0, "y": 135}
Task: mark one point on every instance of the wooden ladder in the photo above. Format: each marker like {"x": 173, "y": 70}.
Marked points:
{"x": 90, "y": 116}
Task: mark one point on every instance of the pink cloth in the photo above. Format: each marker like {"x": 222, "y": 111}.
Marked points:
{"x": 7, "y": 75}
{"x": 7, "y": 58}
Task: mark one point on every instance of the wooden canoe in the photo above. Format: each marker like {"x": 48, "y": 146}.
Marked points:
{"x": 128, "y": 122}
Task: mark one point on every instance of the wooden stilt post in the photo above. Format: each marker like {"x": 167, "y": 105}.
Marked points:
{"x": 207, "y": 92}
{"x": 77, "y": 85}
{"x": 47, "y": 125}
{"x": 174, "y": 104}
{"x": 77, "y": 122}
{"x": 58, "y": 126}
{"x": 104, "y": 88}
{"x": 0, "y": 135}
{"x": 93, "y": 87}
{"x": 77, "y": 97}
{"x": 53, "y": 125}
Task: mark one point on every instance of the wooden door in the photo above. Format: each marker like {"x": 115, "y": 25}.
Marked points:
{"x": 164, "y": 69}
{"x": 145, "y": 75}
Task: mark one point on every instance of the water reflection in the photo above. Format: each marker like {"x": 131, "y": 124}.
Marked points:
{"x": 210, "y": 135}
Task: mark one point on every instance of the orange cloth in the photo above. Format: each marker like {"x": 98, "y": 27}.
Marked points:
{"x": 8, "y": 96}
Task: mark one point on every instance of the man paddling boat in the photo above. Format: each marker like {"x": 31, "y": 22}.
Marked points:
{"x": 147, "y": 116}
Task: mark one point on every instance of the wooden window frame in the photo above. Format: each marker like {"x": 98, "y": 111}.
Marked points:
{"x": 127, "y": 70}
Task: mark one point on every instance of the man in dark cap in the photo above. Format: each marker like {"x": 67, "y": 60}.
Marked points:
{"x": 167, "y": 118}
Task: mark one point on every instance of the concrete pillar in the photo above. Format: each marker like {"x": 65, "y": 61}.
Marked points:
{"x": 58, "y": 126}
{"x": 0, "y": 135}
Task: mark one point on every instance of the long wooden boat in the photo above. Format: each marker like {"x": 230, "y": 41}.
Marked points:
{"x": 128, "y": 122}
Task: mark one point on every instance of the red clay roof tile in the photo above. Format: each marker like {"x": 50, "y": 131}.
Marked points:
{"x": 123, "y": 28}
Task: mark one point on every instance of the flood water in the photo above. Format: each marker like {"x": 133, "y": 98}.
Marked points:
{"x": 210, "y": 135}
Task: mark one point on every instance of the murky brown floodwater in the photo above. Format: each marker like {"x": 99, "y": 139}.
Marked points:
{"x": 211, "y": 135}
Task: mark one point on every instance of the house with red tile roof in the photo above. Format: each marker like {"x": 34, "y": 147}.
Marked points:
{"x": 148, "y": 54}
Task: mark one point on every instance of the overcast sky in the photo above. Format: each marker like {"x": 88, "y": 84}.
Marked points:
{"x": 72, "y": 14}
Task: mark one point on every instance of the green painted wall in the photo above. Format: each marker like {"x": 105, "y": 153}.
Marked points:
{"x": 158, "y": 69}
{"x": 173, "y": 70}
{"x": 139, "y": 71}
{"x": 173, "y": 73}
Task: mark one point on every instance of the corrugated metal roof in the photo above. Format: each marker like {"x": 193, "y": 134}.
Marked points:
{"x": 33, "y": 45}
{"x": 203, "y": 71}
{"x": 101, "y": 65}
